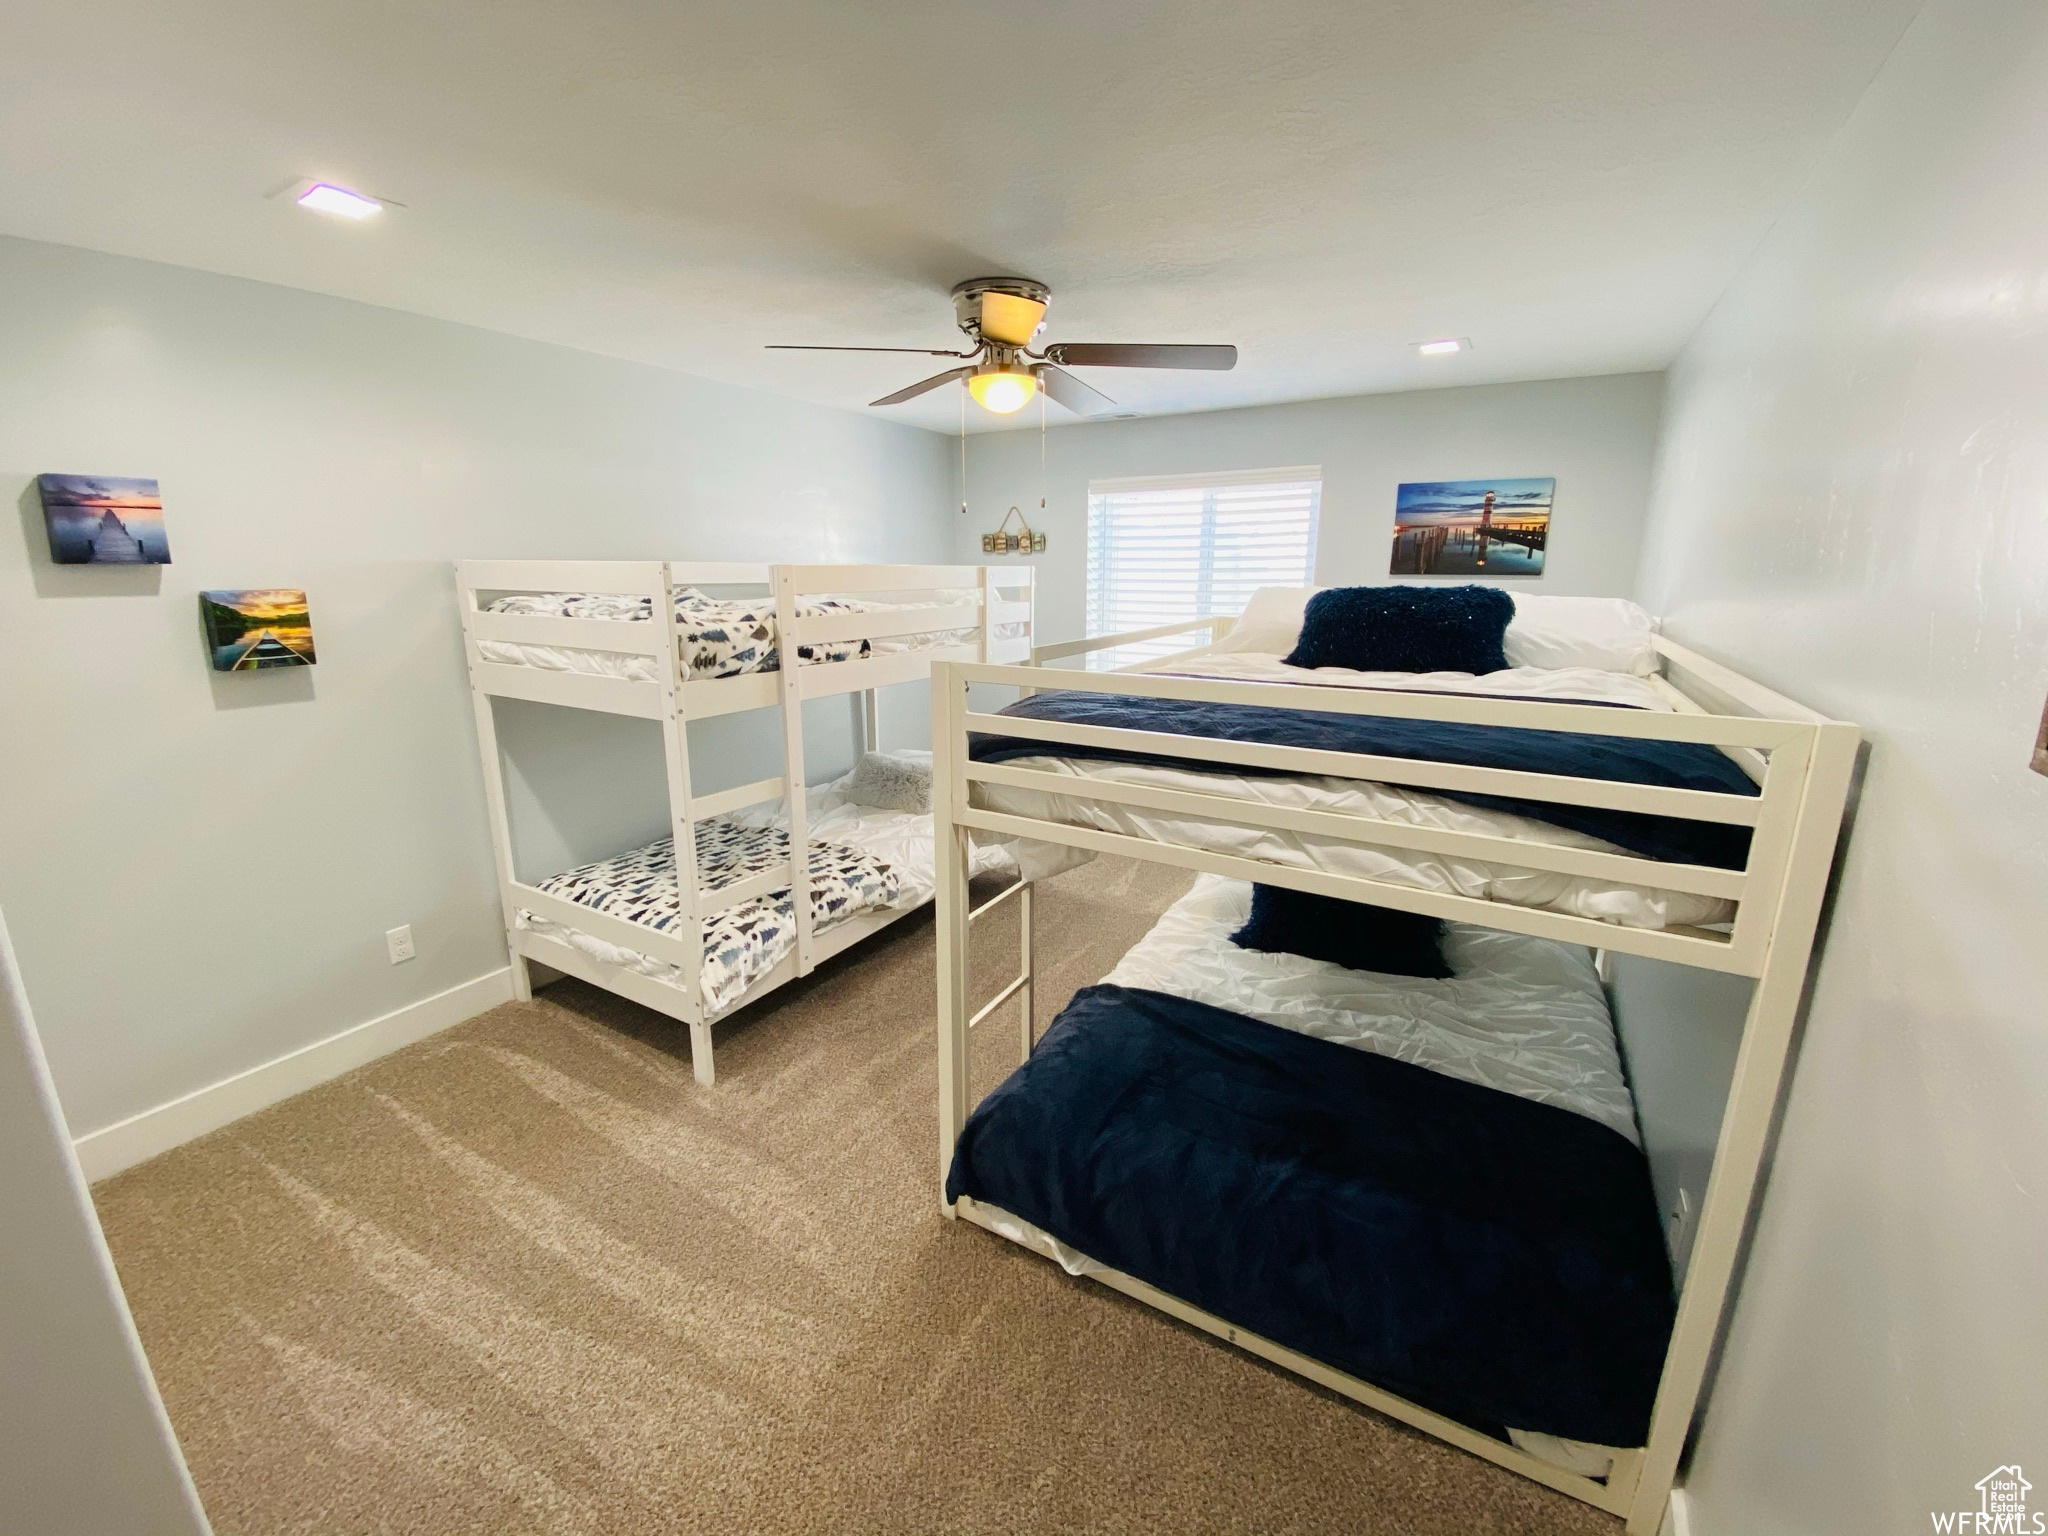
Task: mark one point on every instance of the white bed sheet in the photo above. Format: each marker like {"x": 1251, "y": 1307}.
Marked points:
{"x": 1626, "y": 906}
{"x": 1522, "y": 1015}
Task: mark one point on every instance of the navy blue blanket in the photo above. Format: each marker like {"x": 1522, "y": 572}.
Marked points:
{"x": 1621, "y": 759}
{"x": 1496, "y": 1260}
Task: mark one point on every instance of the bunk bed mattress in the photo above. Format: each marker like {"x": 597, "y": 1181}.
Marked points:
{"x": 721, "y": 637}
{"x": 741, "y": 943}
{"x": 1488, "y": 1252}
{"x": 900, "y": 842}
{"x": 1630, "y": 906}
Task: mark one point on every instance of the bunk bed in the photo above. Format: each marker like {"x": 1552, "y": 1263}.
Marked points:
{"x": 1425, "y": 1194}
{"x": 755, "y": 884}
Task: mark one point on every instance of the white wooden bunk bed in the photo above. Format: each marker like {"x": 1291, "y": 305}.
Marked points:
{"x": 1757, "y": 920}
{"x": 742, "y": 896}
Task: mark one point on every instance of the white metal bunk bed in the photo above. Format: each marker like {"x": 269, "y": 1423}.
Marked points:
{"x": 1799, "y": 761}
{"x": 581, "y": 635}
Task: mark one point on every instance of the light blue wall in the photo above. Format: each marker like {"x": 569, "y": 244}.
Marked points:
{"x": 1852, "y": 505}
{"x": 199, "y": 869}
{"x": 1596, "y": 436}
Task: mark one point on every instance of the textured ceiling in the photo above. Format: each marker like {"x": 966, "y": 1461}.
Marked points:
{"x": 1322, "y": 182}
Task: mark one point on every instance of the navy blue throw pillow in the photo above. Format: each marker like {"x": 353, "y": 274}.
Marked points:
{"x": 1346, "y": 933}
{"x": 1405, "y": 629}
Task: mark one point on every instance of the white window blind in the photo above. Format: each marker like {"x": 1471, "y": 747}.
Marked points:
{"x": 1162, "y": 550}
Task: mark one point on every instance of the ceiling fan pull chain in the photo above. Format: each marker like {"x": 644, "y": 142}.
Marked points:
{"x": 963, "y": 452}
{"x": 1041, "y": 456}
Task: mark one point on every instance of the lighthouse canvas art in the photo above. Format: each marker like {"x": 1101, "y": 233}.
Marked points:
{"x": 103, "y": 520}
{"x": 1471, "y": 527}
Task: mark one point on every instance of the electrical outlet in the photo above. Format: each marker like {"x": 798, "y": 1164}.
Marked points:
{"x": 399, "y": 942}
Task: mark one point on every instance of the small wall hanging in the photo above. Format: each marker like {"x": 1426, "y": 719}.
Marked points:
{"x": 254, "y": 630}
{"x": 1003, "y": 542}
{"x": 103, "y": 520}
{"x": 1471, "y": 527}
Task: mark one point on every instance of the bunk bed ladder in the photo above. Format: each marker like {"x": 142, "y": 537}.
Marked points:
{"x": 950, "y": 859}
{"x": 956, "y": 919}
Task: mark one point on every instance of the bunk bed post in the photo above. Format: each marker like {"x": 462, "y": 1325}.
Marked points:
{"x": 1027, "y": 993}
{"x": 949, "y": 869}
{"x": 988, "y": 608}
{"x": 789, "y": 665}
{"x": 1746, "y": 1122}
{"x": 870, "y": 720}
{"x": 494, "y": 791}
{"x": 675, "y": 742}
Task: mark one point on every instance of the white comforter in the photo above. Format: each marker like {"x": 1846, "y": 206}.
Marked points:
{"x": 1625, "y": 905}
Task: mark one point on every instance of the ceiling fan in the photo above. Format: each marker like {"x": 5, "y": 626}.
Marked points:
{"x": 1001, "y": 315}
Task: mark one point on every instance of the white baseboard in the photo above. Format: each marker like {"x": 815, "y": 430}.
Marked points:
{"x": 1677, "y": 1515}
{"x": 141, "y": 1137}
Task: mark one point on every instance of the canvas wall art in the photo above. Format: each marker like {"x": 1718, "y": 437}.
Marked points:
{"x": 103, "y": 520}
{"x": 1471, "y": 527}
{"x": 257, "y": 629}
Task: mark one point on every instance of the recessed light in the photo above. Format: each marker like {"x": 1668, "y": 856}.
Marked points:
{"x": 322, "y": 197}
{"x": 1443, "y": 346}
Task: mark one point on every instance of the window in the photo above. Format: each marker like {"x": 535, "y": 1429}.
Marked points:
{"x": 1162, "y": 550}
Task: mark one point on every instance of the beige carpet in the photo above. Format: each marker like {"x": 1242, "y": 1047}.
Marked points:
{"x": 528, "y": 1276}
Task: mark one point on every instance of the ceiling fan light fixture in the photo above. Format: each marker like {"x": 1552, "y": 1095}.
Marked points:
{"x": 1000, "y": 389}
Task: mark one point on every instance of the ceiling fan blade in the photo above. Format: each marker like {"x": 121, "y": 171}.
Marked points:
{"x": 1114, "y": 354}
{"x": 922, "y": 385}
{"x": 1081, "y": 399}
{"x": 798, "y": 346}
{"x": 1009, "y": 319}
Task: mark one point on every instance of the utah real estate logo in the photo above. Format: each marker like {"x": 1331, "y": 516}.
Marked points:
{"x": 2002, "y": 1508}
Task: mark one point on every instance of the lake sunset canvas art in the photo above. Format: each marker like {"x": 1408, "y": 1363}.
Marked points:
{"x": 253, "y": 630}
{"x": 1471, "y": 527}
{"x": 103, "y": 520}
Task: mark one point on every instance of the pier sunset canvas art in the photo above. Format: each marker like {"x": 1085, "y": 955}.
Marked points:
{"x": 103, "y": 520}
{"x": 253, "y": 630}
{"x": 1471, "y": 527}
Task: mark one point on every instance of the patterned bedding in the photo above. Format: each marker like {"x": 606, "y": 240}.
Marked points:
{"x": 722, "y": 637}
{"x": 743, "y": 942}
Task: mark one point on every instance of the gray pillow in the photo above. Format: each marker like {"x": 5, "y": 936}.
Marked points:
{"x": 887, "y": 783}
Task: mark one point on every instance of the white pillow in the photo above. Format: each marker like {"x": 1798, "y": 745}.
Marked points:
{"x": 1270, "y": 623}
{"x": 1610, "y": 634}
